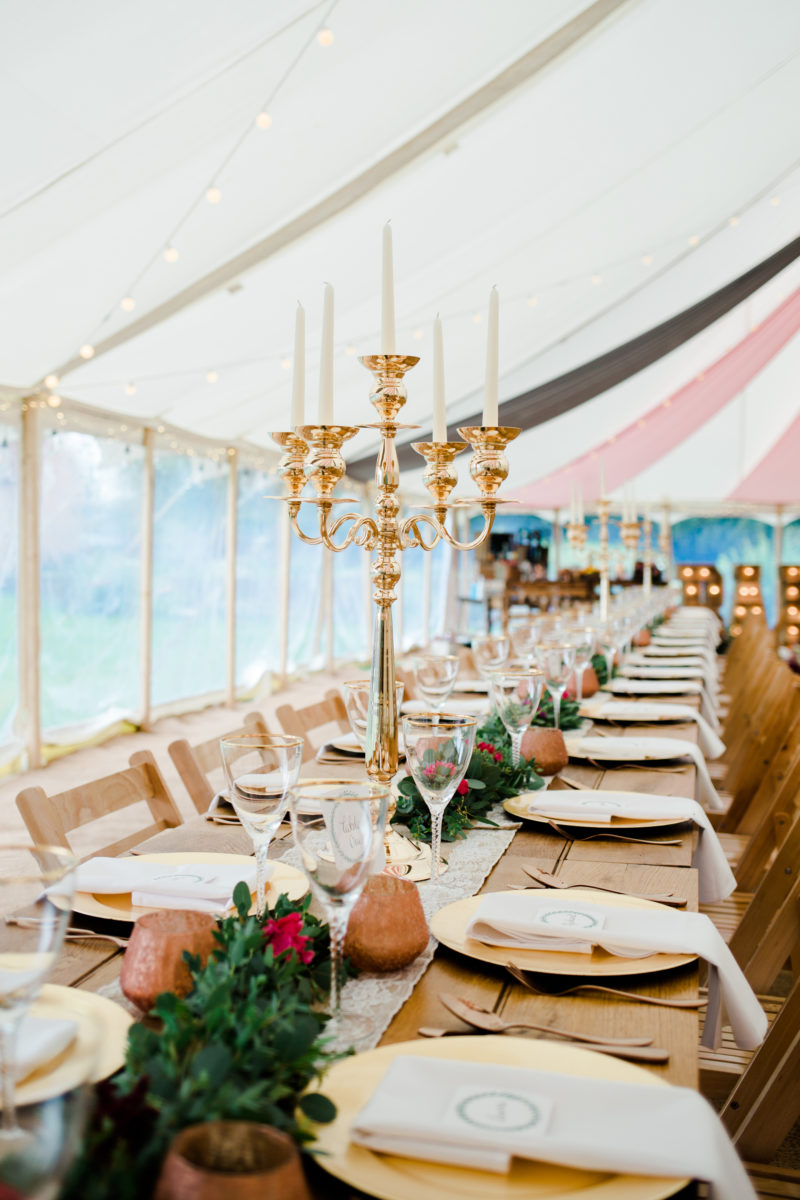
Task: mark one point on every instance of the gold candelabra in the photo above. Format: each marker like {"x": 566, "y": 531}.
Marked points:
{"x": 576, "y": 535}
{"x": 630, "y": 534}
{"x": 603, "y": 510}
{"x": 312, "y": 454}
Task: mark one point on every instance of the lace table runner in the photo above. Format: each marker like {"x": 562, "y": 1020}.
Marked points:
{"x": 381, "y": 996}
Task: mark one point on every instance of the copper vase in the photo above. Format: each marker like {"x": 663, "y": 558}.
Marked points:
{"x": 387, "y": 928}
{"x": 153, "y": 961}
{"x": 232, "y": 1160}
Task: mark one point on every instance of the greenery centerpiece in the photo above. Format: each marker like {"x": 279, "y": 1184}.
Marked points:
{"x": 244, "y": 1044}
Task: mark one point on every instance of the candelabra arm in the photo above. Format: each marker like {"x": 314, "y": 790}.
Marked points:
{"x": 363, "y": 532}
{"x": 489, "y": 511}
{"x": 410, "y": 533}
{"x": 294, "y": 512}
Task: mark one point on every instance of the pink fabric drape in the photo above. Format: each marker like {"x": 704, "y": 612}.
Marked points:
{"x": 635, "y": 448}
{"x": 776, "y": 479}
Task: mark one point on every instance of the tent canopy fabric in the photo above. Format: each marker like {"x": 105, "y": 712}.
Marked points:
{"x": 606, "y": 164}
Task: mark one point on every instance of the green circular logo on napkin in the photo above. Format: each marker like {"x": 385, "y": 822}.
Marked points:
{"x": 570, "y": 917}
{"x": 499, "y": 1111}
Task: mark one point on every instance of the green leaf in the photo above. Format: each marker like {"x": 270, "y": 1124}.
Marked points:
{"x": 317, "y": 1107}
{"x": 242, "y": 899}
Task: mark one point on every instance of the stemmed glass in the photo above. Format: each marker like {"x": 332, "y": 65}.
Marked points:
{"x": 40, "y": 880}
{"x": 260, "y": 769}
{"x": 525, "y": 639}
{"x": 517, "y": 695}
{"x": 337, "y": 827}
{"x": 582, "y": 638}
{"x": 438, "y": 750}
{"x": 435, "y": 676}
{"x": 356, "y": 701}
{"x": 607, "y": 640}
{"x": 556, "y": 662}
{"x": 490, "y": 653}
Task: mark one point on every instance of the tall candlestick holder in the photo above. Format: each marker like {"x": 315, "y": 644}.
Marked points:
{"x": 317, "y": 449}
{"x": 603, "y": 511}
{"x": 647, "y": 576}
{"x": 576, "y": 535}
{"x": 630, "y": 531}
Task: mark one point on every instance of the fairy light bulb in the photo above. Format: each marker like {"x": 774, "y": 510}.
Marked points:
{"x": 87, "y": 351}
{"x": 213, "y": 195}
{"x": 350, "y": 350}
{"x": 211, "y": 377}
{"x": 130, "y": 389}
{"x": 286, "y": 364}
{"x": 127, "y": 304}
{"x": 733, "y": 221}
{"x": 647, "y": 260}
{"x": 694, "y": 240}
{"x": 325, "y": 37}
{"x": 170, "y": 254}
{"x": 263, "y": 120}
{"x": 533, "y": 301}
{"x": 54, "y": 401}
{"x": 51, "y": 381}
{"x": 596, "y": 279}
{"x": 417, "y": 334}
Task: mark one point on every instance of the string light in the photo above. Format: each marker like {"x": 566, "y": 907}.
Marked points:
{"x": 211, "y": 376}
{"x": 51, "y": 381}
{"x": 54, "y": 400}
{"x": 213, "y": 195}
{"x": 597, "y": 279}
{"x": 417, "y": 333}
{"x": 775, "y": 201}
{"x": 263, "y": 120}
{"x": 325, "y": 37}
{"x": 171, "y": 254}
{"x": 733, "y": 221}
{"x": 694, "y": 240}
{"x": 350, "y": 350}
{"x": 476, "y": 317}
{"x": 647, "y": 260}
{"x": 130, "y": 389}
{"x": 127, "y": 304}
{"x": 533, "y": 301}
{"x": 86, "y": 351}
{"x": 286, "y": 364}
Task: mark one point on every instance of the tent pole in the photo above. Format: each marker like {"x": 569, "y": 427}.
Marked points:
{"x": 230, "y": 571}
{"x": 146, "y": 579}
{"x": 777, "y": 549}
{"x": 28, "y": 615}
{"x": 285, "y": 578}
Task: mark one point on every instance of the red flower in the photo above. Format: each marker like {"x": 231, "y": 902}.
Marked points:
{"x": 498, "y": 756}
{"x": 286, "y": 933}
{"x": 463, "y": 788}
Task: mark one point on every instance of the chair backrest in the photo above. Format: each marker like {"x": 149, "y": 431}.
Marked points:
{"x": 769, "y": 931}
{"x": 196, "y": 763}
{"x": 52, "y": 819}
{"x": 765, "y": 1103}
{"x": 324, "y": 713}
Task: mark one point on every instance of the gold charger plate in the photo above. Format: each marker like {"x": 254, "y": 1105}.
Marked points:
{"x": 390, "y": 1177}
{"x": 101, "y": 1038}
{"x": 518, "y": 807}
{"x": 449, "y": 926}
{"x": 119, "y": 908}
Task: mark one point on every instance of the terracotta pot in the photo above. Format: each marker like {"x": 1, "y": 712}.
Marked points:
{"x": 153, "y": 961}
{"x": 547, "y": 748}
{"x": 590, "y": 684}
{"x": 237, "y": 1160}
{"x": 387, "y": 928}
{"x": 642, "y": 638}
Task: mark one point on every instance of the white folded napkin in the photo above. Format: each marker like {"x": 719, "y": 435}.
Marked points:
{"x": 642, "y": 749}
{"x": 471, "y": 685}
{"x": 481, "y": 1115}
{"x": 203, "y": 887}
{"x": 618, "y": 710}
{"x": 634, "y": 670}
{"x": 540, "y": 921}
{"x": 623, "y": 686}
{"x": 715, "y": 877}
{"x": 38, "y": 1041}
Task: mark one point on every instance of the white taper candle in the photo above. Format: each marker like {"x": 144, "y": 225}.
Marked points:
{"x": 298, "y": 416}
{"x": 387, "y": 293}
{"x": 326, "y": 359}
{"x": 490, "y": 407}
{"x": 439, "y": 408}
{"x": 602, "y": 480}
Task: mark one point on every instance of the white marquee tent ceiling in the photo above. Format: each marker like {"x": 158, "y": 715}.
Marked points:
{"x": 635, "y": 127}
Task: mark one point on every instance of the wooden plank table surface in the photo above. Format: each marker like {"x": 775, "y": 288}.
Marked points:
{"x": 661, "y": 868}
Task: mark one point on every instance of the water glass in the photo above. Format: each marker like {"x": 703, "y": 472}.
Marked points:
{"x": 525, "y": 639}
{"x": 338, "y": 827}
{"x": 39, "y": 879}
{"x": 435, "y": 676}
{"x": 582, "y": 638}
{"x": 438, "y": 750}
{"x": 260, "y": 769}
{"x": 490, "y": 652}
{"x": 517, "y": 695}
{"x": 556, "y": 662}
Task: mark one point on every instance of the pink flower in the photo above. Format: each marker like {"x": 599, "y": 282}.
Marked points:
{"x": 286, "y": 933}
{"x": 463, "y": 788}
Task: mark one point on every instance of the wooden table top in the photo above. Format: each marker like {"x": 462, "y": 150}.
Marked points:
{"x": 641, "y": 868}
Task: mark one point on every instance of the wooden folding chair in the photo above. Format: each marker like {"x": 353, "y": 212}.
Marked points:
{"x": 196, "y": 763}
{"x": 313, "y": 718}
{"x": 51, "y": 819}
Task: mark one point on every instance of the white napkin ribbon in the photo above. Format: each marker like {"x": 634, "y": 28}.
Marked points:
{"x": 513, "y": 919}
{"x": 711, "y": 745}
{"x": 635, "y": 749}
{"x": 480, "y": 1115}
{"x": 39, "y": 1040}
{"x": 715, "y": 877}
{"x": 203, "y": 887}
